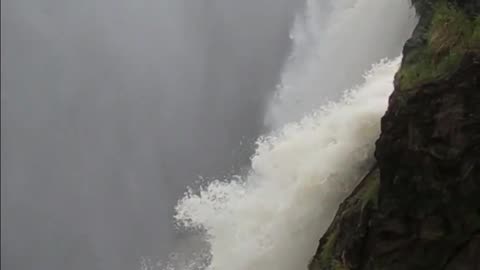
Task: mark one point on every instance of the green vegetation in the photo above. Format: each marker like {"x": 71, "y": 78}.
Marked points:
{"x": 327, "y": 260}
{"x": 450, "y": 29}
{"x": 475, "y": 41}
{"x": 339, "y": 266}
{"x": 326, "y": 257}
{"x": 450, "y": 36}
{"x": 370, "y": 192}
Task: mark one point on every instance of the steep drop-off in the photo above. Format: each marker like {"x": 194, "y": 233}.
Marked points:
{"x": 419, "y": 208}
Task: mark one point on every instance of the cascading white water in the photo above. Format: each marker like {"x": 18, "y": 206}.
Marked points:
{"x": 273, "y": 217}
{"x": 335, "y": 42}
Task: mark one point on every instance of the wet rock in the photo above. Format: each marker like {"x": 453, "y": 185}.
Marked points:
{"x": 420, "y": 208}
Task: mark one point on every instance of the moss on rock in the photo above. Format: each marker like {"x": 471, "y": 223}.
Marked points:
{"x": 420, "y": 208}
{"x": 369, "y": 194}
{"x": 451, "y": 34}
{"x": 358, "y": 206}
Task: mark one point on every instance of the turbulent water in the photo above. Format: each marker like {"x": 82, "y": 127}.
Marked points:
{"x": 272, "y": 217}
{"x": 335, "y": 42}
{"x": 110, "y": 108}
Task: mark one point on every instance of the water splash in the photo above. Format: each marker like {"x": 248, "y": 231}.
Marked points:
{"x": 335, "y": 42}
{"x": 273, "y": 218}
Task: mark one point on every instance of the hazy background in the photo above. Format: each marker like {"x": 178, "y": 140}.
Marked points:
{"x": 110, "y": 108}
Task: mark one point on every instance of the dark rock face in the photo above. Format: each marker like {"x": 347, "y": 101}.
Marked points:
{"x": 429, "y": 160}
{"x": 420, "y": 208}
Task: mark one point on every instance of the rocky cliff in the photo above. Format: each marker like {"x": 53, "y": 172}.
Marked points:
{"x": 419, "y": 208}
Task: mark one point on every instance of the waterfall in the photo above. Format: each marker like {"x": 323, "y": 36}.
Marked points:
{"x": 324, "y": 120}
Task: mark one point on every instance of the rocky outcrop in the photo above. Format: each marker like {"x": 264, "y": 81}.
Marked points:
{"x": 419, "y": 208}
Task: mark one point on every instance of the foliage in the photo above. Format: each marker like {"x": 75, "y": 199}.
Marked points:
{"x": 475, "y": 40}
{"x": 370, "y": 192}
{"x": 450, "y": 35}
{"x": 326, "y": 256}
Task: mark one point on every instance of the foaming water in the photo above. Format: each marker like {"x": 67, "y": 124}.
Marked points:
{"x": 273, "y": 218}
{"x": 335, "y": 41}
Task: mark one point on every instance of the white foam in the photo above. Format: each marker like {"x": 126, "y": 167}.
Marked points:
{"x": 335, "y": 41}
{"x": 274, "y": 218}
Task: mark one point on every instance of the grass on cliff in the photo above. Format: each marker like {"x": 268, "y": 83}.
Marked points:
{"x": 327, "y": 260}
{"x": 368, "y": 193}
{"x": 371, "y": 189}
{"x": 475, "y": 41}
{"x": 450, "y": 36}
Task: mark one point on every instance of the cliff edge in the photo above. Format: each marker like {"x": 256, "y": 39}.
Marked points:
{"x": 419, "y": 208}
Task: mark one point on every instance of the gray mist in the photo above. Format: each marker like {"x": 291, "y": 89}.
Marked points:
{"x": 110, "y": 109}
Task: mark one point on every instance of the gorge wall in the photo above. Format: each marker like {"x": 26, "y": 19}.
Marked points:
{"x": 419, "y": 208}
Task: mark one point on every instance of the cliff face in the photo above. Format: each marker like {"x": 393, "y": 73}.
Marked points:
{"x": 419, "y": 208}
